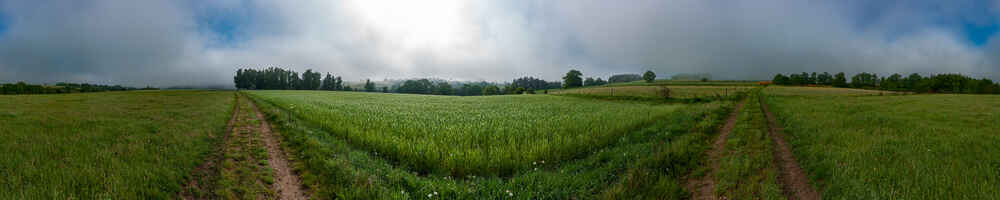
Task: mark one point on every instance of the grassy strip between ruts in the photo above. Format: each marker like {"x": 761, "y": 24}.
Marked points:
{"x": 747, "y": 169}
{"x": 642, "y": 164}
{"x": 128, "y": 145}
{"x": 245, "y": 173}
{"x": 895, "y": 147}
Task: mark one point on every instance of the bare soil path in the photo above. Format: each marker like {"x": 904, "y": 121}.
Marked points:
{"x": 794, "y": 182}
{"x": 286, "y": 184}
{"x": 704, "y": 187}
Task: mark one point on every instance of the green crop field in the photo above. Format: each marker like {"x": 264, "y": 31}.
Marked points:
{"x": 492, "y": 135}
{"x": 824, "y": 91}
{"x": 894, "y": 147}
{"x": 366, "y": 145}
{"x": 680, "y": 91}
{"x": 689, "y": 83}
{"x": 128, "y": 145}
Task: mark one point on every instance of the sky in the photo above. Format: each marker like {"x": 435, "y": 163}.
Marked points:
{"x": 194, "y": 42}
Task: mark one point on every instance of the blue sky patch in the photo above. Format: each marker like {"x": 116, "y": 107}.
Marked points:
{"x": 227, "y": 26}
{"x": 4, "y": 22}
{"x": 979, "y": 35}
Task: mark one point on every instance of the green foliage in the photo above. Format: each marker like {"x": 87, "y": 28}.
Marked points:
{"x": 649, "y": 76}
{"x": 421, "y": 86}
{"x": 573, "y": 79}
{"x": 941, "y": 83}
{"x": 839, "y": 80}
{"x": 60, "y": 88}
{"x": 127, "y": 145}
{"x": 274, "y": 78}
{"x": 781, "y": 80}
{"x": 532, "y": 83}
{"x": 491, "y": 90}
{"x": 624, "y": 78}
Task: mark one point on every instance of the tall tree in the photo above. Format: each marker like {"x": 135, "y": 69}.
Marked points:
{"x": 649, "y": 76}
{"x": 839, "y": 80}
{"x": 572, "y": 79}
{"x": 369, "y": 86}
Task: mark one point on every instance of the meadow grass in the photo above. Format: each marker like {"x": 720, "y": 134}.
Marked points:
{"x": 825, "y": 91}
{"x": 128, "y": 145}
{"x": 895, "y": 147}
{"x": 458, "y": 136}
{"x": 689, "y": 83}
{"x": 643, "y": 163}
{"x": 747, "y": 169}
{"x": 681, "y": 91}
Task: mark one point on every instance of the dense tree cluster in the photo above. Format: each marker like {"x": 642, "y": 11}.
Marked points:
{"x": 59, "y": 88}
{"x": 623, "y": 78}
{"x": 940, "y": 83}
{"x": 590, "y": 81}
{"x": 274, "y": 78}
{"x": 532, "y": 83}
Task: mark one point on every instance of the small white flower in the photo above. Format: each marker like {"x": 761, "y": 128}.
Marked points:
{"x": 430, "y": 195}
{"x": 534, "y": 163}
{"x": 536, "y": 169}
{"x": 543, "y": 162}
{"x": 435, "y": 193}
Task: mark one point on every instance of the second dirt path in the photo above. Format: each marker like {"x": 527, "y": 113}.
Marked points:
{"x": 704, "y": 187}
{"x": 794, "y": 182}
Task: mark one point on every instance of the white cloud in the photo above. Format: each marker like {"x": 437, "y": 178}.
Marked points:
{"x": 161, "y": 43}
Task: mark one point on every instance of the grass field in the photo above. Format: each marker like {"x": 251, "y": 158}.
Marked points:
{"x": 129, "y": 145}
{"x": 893, "y": 147}
{"x": 747, "y": 168}
{"x": 824, "y": 91}
{"x": 680, "y": 91}
{"x": 689, "y": 83}
{"x": 555, "y": 147}
{"x": 493, "y": 135}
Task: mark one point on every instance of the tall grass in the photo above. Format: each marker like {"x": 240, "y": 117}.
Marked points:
{"x": 128, "y": 145}
{"x": 896, "y": 147}
{"x": 659, "y": 152}
{"x": 458, "y": 136}
{"x": 747, "y": 169}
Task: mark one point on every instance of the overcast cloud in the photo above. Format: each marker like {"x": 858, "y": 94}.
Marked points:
{"x": 165, "y": 43}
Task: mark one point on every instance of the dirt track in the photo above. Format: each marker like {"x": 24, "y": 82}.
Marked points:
{"x": 286, "y": 184}
{"x": 704, "y": 187}
{"x": 794, "y": 182}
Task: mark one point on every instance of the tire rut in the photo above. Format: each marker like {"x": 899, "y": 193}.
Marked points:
{"x": 287, "y": 184}
{"x": 704, "y": 187}
{"x": 794, "y": 182}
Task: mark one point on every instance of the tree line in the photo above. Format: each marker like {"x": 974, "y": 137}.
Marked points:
{"x": 274, "y": 78}
{"x": 939, "y": 83}
{"x": 573, "y": 79}
{"x": 61, "y": 88}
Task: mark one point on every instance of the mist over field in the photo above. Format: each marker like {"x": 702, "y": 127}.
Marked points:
{"x": 170, "y": 43}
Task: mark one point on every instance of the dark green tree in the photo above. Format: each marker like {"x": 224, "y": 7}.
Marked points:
{"x": 649, "y": 76}
{"x": 573, "y": 79}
